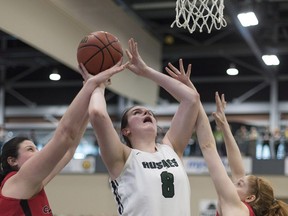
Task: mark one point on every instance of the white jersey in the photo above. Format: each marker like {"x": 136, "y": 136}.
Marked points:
{"x": 153, "y": 184}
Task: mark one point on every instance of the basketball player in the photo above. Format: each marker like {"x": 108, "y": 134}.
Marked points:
{"x": 25, "y": 171}
{"x": 147, "y": 178}
{"x": 243, "y": 195}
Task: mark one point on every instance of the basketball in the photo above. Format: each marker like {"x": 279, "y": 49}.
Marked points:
{"x": 99, "y": 51}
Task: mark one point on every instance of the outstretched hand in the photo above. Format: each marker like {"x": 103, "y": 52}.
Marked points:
{"x": 136, "y": 63}
{"x": 104, "y": 76}
{"x": 219, "y": 115}
{"x": 181, "y": 75}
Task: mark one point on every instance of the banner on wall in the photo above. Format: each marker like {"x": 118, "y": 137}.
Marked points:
{"x": 197, "y": 165}
{"x": 207, "y": 207}
{"x": 80, "y": 166}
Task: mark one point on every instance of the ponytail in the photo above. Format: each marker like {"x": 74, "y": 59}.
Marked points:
{"x": 278, "y": 208}
{"x": 265, "y": 203}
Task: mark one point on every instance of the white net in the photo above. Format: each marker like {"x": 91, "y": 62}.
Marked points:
{"x": 199, "y": 14}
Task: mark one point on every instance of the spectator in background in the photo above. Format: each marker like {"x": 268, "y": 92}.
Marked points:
{"x": 277, "y": 140}
{"x": 266, "y": 138}
{"x": 3, "y": 133}
{"x": 242, "y": 139}
{"x": 285, "y": 134}
{"x": 218, "y": 136}
{"x": 195, "y": 150}
{"x": 253, "y": 138}
{"x": 1, "y": 136}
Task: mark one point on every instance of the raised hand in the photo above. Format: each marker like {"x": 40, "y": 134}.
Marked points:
{"x": 180, "y": 74}
{"x": 219, "y": 115}
{"x": 136, "y": 63}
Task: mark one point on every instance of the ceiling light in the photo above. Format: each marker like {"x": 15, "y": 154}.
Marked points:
{"x": 232, "y": 71}
{"x": 169, "y": 39}
{"x": 247, "y": 19}
{"x": 55, "y": 76}
{"x": 270, "y": 60}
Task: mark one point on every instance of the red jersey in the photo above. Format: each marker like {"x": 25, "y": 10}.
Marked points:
{"x": 251, "y": 212}
{"x": 36, "y": 206}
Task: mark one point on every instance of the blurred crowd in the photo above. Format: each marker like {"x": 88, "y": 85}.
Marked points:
{"x": 256, "y": 142}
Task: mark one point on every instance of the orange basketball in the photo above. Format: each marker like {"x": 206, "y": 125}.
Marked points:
{"x": 99, "y": 51}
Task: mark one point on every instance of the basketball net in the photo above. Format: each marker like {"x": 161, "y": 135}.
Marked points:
{"x": 199, "y": 14}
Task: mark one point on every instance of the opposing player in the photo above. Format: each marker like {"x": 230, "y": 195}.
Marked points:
{"x": 25, "y": 171}
{"x": 243, "y": 195}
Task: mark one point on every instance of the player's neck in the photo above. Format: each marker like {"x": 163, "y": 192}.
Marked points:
{"x": 145, "y": 146}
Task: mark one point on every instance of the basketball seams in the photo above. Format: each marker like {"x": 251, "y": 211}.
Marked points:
{"x": 99, "y": 42}
{"x": 115, "y": 48}
{"x": 108, "y": 45}
{"x": 113, "y": 42}
{"x": 105, "y": 46}
{"x": 102, "y": 62}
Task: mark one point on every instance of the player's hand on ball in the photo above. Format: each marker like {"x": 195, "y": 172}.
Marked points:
{"x": 84, "y": 73}
{"x": 105, "y": 76}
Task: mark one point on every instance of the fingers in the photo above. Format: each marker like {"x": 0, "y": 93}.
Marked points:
{"x": 125, "y": 65}
{"x": 105, "y": 76}
{"x": 83, "y": 68}
{"x": 224, "y": 103}
{"x": 132, "y": 46}
{"x": 174, "y": 69}
{"x": 132, "y": 51}
{"x": 181, "y": 67}
{"x": 80, "y": 67}
{"x": 84, "y": 73}
{"x": 220, "y": 102}
{"x": 220, "y": 105}
{"x": 170, "y": 72}
{"x": 130, "y": 42}
{"x": 188, "y": 73}
{"x": 182, "y": 70}
{"x": 217, "y": 100}
{"x": 118, "y": 68}
{"x": 129, "y": 50}
{"x": 135, "y": 48}
{"x": 120, "y": 61}
{"x": 214, "y": 114}
{"x": 223, "y": 98}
